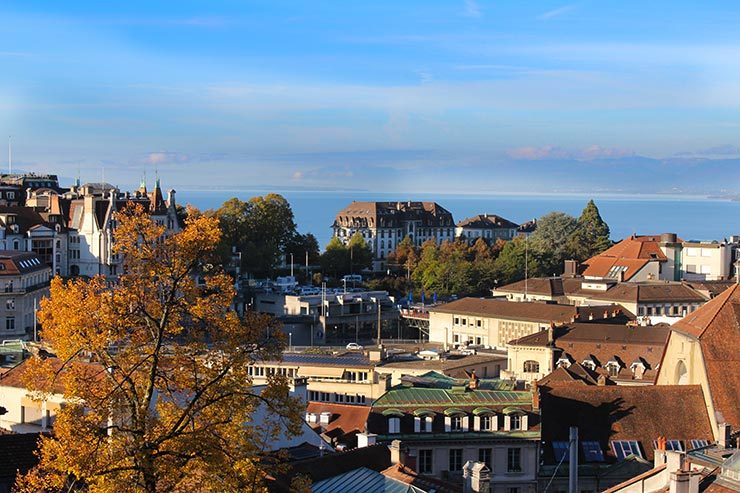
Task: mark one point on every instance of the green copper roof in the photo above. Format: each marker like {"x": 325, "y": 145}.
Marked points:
{"x": 418, "y": 397}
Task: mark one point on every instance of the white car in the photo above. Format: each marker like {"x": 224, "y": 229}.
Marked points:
{"x": 353, "y": 346}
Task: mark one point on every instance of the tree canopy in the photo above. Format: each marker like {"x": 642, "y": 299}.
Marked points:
{"x": 591, "y": 236}
{"x": 154, "y": 371}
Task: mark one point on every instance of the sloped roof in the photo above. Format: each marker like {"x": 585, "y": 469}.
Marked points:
{"x": 344, "y": 418}
{"x": 363, "y": 480}
{"x": 618, "y": 412}
{"x": 717, "y": 327}
{"x": 487, "y": 221}
{"x": 494, "y": 308}
{"x": 440, "y": 399}
{"x": 648, "y": 292}
{"x": 430, "y": 483}
{"x": 632, "y": 253}
{"x": 13, "y": 263}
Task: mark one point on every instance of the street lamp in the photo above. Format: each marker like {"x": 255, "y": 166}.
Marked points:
{"x": 290, "y": 341}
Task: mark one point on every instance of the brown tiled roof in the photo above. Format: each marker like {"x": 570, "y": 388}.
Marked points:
{"x": 547, "y": 286}
{"x": 575, "y": 373}
{"x": 451, "y": 363}
{"x": 406, "y": 475}
{"x": 530, "y": 311}
{"x": 10, "y": 260}
{"x": 487, "y": 221}
{"x": 710, "y": 288}
{"x": 345, "y": 419}
{"x": 717, "y": 327}
{"x": 600, "y": 266}
{"x": 392, "y": 214}
{"x": 620, "y": 412}
{"x": 646, "y": 292}
{"x": 14, "y": 376}
{"x": 633, "y": 253}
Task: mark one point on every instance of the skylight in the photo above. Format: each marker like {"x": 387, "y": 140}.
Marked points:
{"x": 675, "y": 445}
{"x": 625, "y": 448}
{"x": 560, "y": 449}
{"x": 592, "y": 451}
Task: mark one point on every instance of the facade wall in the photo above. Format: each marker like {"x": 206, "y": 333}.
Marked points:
{"x": 456, "y": 329}
{"x": 683, "y": 364}
{"x": 518, "y": 355}
{"x": 706, "y": 262}
{"x": 25, "y": 415}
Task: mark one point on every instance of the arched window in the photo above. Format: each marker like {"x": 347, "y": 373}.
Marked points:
{"x": 682, "y": 374}
{"x": 531, "y": 366}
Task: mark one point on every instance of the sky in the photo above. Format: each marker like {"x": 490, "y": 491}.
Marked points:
{"x": 385, "y": 95}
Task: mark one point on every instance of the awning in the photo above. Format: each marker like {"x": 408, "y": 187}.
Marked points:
{"x": 424, "y": 412}
{"x": 392, "y": 412}
{"x": 513, "y": 410}
{"x": 453, "y": 411}
{"x": 480, "y": 411}
{"x": 321, "y": 371}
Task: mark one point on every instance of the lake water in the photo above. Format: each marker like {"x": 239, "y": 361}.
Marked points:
{"x": 690, "y": 217}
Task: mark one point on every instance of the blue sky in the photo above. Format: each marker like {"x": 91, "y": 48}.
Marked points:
{"x": 357, "y": 94}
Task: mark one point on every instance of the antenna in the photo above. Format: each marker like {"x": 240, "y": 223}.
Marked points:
{"x": 10, "y": 154}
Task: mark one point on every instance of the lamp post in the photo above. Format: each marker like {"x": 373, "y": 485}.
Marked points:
{"x": 290, "y": 341}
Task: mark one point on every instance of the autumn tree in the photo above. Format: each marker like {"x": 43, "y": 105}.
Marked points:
{"x": 153, "y": 369}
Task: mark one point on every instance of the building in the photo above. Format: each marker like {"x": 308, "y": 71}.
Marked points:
{"x": 663, "y": 257}
{"x": 384, "y": 225}
{"x": 92, "y": 211}
{"x": 341, "y": 379}
{"x": 337, "y": 423}
{"x": 485, "y": 365}
{"x": 527, "y": 229}
{"x": 440, "y": 424}
{"x": 652, "y": 301}
{"x": 618, "y": 430}
{"x": 494, "y": 322}
{"x": 24, "y": 282}
{"x": 490, "y": 227}
{"x": 623, "y": 354}
{"x": 702, "y": 349}
{"x": 332, "y": 318}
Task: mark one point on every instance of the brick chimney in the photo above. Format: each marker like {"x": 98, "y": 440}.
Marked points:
{"x": 535, "y": 396}
{"x": 724, "y": 435}
{"x": 684, "y": 482}
{"x": 473, "y": 383}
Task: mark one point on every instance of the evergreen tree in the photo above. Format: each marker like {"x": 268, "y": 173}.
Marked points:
{"x": 591, "y": 236}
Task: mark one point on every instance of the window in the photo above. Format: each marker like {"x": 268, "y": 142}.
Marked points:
{"x": 531, "y": 366}
{"x": 456, "y": 320}
{"x": 456, "y": 459}
{"x": 613, "y": 369}
{"x": 670, "y": 445}
{"x": 479, "y": 323}
{"x": 516, "y": 422}
{"x": 456, "y": 423}
{"x": 624, "y": 448}
{"x": 487, "y": 422}
{"x": 425, "y": 461}
{"x": 394, "y": 425}
{"x": 10, "y": 323}
{"x": 514, "y": 460}
{"x": 560, "y": 449}
{"x": 512, "y": 490}
{"x": 592, "y": 451}
{"x": 698, "y": 444}
{"x": 484, "y": 456}
{"x": 427, "y": 428}
{"x": 10, "y": 304}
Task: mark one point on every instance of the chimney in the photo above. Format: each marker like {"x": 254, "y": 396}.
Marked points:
{"x": 601, "y": 381}
{"x": 366, "y": 439}
{"x": 324, "y": 418}
{"x": 570, "y": 268}
{"x": 621, "y": 276}
{"x": 396, "y": 452}
{"x": 684, "y": 482}
{"x": 473, "y": 383}
{"x": 476, "y": 478}
{"x": 535, "y": 396}
{"x": 724, "y": 435}
{"x": 551, "y": 334}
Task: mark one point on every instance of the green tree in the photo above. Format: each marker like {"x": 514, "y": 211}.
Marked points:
{"x": 261, "y": 228}
{"x": 510, "y": 263}
{"x": 335, "y": 259}
{"x": 591, "y": 236}
{"x": 551, "y": 244}
{"x": 360, "y": 254}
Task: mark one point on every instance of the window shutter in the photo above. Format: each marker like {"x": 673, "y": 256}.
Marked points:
{"x": 476, "y": 423}
{"x": 494, "y": 422}
{"x": 507, "y": 423}
{"x": 465, "y": 422}
{"x": 429, "y": 424}
{"x": 448, "y": 423}
{"x": 417, "y": 424}
{"x": 525, "y": 422}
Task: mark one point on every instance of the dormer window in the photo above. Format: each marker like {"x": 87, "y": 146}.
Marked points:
{"x": 613, "y": 368}
{"x": 563, "y": 362}
{"x": 589, "y": 363}
{"x": 394, "y": 425}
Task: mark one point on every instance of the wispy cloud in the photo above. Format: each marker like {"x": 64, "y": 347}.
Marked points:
{"x": 165, "y": 157}
{"x": 550, "y": 14}
{"x": 720, "y": 150}
{"x": 472, "y": 9}
{"x": 556, "y": 152}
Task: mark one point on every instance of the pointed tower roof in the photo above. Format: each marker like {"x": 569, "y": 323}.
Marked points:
{"x": 142, "y": 184}
{"x": 716, "y": 325}
{"x": 157, "y": 204}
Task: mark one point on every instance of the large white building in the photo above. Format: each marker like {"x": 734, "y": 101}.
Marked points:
{"x": 384, "y": 225}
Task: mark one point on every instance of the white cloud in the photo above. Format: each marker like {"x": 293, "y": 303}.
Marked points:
{"x": 166, "y": 157}
{"x": 472, "y": 9}
{"x": 556, "y": 12}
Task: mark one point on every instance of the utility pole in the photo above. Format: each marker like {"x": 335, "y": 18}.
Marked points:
{"x": 307, "y": 265}
{"x": 10, "y": 155}
{"x": 573, "y": 466}
{"x": 526, "y": 265}
{"x": 377, "y": 300}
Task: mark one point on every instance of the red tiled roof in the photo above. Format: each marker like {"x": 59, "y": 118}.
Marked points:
{"x": 717, "y": 327}
{"x": 345, "y": 418}
{"x": 633, "y": 253}
{"x": 406, "y": 475}
{"x": 620, "y": 412}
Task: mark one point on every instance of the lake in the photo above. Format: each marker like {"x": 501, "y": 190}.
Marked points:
{"x": 692, "y": 218}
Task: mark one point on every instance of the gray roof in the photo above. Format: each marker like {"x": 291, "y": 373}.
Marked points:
{"x": 363, "y": 480}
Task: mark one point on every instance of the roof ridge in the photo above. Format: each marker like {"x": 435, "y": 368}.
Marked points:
{"x": 727, "y": 295}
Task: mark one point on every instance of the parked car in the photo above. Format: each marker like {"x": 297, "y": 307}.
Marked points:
{"x": 353, "y": 346}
